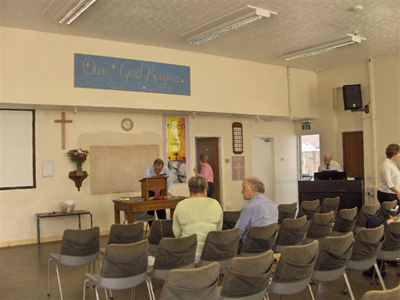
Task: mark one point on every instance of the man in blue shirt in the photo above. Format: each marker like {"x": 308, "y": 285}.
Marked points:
{"x": 158, "y": 169}
{"x": 259, "y": 211}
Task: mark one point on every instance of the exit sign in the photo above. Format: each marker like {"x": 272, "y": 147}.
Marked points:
{"x": 306, "y": 126}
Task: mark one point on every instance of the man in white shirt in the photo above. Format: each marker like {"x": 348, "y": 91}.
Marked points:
{"x": 329, "y": 164}
{"x": 158, "y": 169}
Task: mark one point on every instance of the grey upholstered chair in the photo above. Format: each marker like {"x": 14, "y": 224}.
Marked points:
{"x": 309, "y": 208}
{"x": 172, "y": 253}
{"x": 291, "y": 232}
{"x": 366, "y": 211}
{"x": 230, "y": 218}
{"x": 368, "y": 242}
{"x": 329, "y": 204}
{"x": 320, "y": 226}
{"x": 345, "y": 221}
{"x": 286, "y": 211}
{"x": 259, "y": 239}
{"x": 220, "y": 246}
{"x": 294, "y": 270}
{"x": 125, "y": 233}
{"x": 194, "y": 284}
{"x": 159, "y": 229}
{"x": 78, "y": 248}
{"x": 393, "y": 294}
{"x": 385, "y": 209}
{"x": 390, "y": 250}
{"x": 247, "y": 278}
{"x": 124, "y": 267}
{"x": 333, "y": 255}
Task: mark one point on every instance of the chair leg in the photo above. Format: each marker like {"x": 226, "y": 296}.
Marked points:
{"x": 96, "y": 293}
{"x": 311, "y": 293}
{"x": 133, "y": 293}
{"x": 59, "y": 282}
{"x": 348, "y": 286}
{"x": 111, "y": 296}
{"x": 105, "y": 291}
{"x": 150, "y": 288}
{"x": 48, "y": 276}
{"x": 379, "y": 276}
{"x": 84, "y": 289}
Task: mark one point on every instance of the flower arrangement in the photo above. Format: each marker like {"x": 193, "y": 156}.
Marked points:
{"x": 78, "y": 157}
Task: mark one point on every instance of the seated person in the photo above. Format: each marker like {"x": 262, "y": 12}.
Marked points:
{"x": 197, "y": 214}
{"x": 259, "y": 211}
{"x": 329, "y": 164}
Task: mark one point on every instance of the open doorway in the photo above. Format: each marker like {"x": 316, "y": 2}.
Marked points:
{"x": 309, "y": 155}
{"x": 210, "y": 146}
{"x": 264, "y": 164}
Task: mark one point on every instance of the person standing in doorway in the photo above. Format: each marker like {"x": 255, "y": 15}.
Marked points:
{"x": 329, "y": 164}
{"x": 207, "y": 173}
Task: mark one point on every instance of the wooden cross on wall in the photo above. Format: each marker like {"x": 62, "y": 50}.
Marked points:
{"x": 63, "y": 121}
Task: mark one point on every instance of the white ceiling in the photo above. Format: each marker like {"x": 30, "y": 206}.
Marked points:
{"x": 299, "y": 24}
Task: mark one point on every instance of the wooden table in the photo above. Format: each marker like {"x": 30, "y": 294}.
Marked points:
{"x": 130, "y": 207}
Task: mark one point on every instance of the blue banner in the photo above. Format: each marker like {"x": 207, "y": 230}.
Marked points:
{"x": 101, "y": 72}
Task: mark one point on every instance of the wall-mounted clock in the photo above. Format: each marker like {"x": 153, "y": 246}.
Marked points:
{"x": 127, "y": 124}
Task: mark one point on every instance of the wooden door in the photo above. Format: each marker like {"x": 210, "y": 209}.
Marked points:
{"x": 353, "y": 153}
{"x": 209, "y": 146}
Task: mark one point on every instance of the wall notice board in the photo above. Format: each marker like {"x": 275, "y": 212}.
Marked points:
{"x": 17, "y": 149}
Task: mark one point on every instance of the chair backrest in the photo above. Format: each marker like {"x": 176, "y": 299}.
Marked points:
{"x": 367, "y": 243}
{"x": 345, "y": 220}
{"x": 159, "y": 229}
{"x": 292, "y": 231}
{"x": 124, "y": 260}
{"x": 309, "y": 208}
{"x": 367, "y": 211}
{"x": 392, "y": 237}
{"x": 334, "y": 252}
{"x": 230, "y": 218}
{"x": 247, "y": 276}
{"x": 260, "y": 239}
{"x": 392, "y": 294}
{"x": 173, "y": 253}
{"x": 385, "y": 209}
{"x": 126, "y": 233}
{"x": 329, "y": 204}
{"x": 286, "y": 211}
{"x": 221, "y": 245}
{"x": 296, "y": 263}
{"x": 78, "y": 242}
{"x": 321, "y": 225}
{"x": 196, "y": 283}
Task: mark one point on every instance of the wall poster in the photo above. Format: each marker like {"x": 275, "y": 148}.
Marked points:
{"x": 176, "y": 137}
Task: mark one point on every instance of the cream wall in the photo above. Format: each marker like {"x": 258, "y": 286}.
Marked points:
{"x": 103, "y": 128}
{"x": 44, "y": 75}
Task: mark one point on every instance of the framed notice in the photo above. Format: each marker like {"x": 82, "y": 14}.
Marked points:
{"x": 237, "y": 137}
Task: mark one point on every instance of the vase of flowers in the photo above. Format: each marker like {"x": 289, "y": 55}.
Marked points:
{"x": 78, "y": 157}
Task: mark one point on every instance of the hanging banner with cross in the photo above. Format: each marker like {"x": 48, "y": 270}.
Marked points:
{"x": 176, "y": 133}
{"x": 237, "y": 168}
{"x": 63, "y": 121}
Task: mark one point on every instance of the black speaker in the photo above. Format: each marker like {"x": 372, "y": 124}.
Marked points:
{"x": 352, "y": 97}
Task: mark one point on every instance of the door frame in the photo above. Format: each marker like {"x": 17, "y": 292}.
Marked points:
{"x": 221, "y": 175}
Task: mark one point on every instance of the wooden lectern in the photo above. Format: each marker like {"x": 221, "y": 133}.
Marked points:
{"x": 156, "y": 183}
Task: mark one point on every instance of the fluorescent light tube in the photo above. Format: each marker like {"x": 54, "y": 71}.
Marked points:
{"x": 76, "y": 11}
{"x": 227, "y": 23}
{"x": 350, "y": 40}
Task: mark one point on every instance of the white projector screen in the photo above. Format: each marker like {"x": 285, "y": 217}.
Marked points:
{"x": 17, "y": 149}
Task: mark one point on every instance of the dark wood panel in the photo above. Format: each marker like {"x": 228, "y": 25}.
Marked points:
{"x": 353, "y": 153}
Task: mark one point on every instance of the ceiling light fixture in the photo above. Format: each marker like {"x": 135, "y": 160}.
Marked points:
{"x": 76, "y": 11}
{"x": 227, "y": 23}
{"x": 350, "y": 40}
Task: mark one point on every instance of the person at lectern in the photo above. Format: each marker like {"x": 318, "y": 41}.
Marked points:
{"x": 329, "y": 164}
{"x": 207, "y": 173}
{"x": 389, "y": 181}
{"x": 158, "y": 169}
